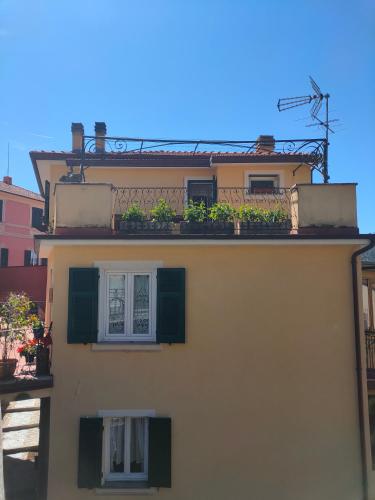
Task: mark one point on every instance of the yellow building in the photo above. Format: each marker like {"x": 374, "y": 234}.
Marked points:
{"x": 208, "y": 360}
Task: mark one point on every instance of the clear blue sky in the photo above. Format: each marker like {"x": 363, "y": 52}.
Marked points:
{"x": 187, "y": 69}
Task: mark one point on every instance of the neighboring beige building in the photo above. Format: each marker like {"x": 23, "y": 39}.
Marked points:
{"x": 211, "y": 360}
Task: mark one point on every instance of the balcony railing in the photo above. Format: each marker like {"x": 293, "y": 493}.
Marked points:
{"x": 370, "y": 350}
{"x": 278, "y": 199}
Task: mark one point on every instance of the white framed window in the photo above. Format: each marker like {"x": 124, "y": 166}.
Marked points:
{"x": 125, "y": 445}
{"x": 263, "y": 184}
{"x": 127, "y": 302}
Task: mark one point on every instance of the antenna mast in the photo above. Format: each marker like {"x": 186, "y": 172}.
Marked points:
{"x": 317, "y": 98}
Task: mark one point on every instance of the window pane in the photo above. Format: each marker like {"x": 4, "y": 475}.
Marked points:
{"x": 365, "y": 305}
{"x": 116, "y": 304}
{"x": 199, "y": 191}
{"x": 141, "y": 309}
{"x": 117, "y": 437}
{"x": 137, "y": 445}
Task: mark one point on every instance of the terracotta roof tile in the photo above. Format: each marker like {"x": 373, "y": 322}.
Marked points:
{"x": 19, "y": 191}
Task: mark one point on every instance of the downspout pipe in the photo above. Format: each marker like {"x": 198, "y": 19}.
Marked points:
{"x": 357, "y": 335}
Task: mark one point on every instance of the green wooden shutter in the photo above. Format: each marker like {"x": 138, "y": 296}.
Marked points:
{"x": 37, "y": 218}
{"x": 159, "y": 452}
{"x": 4, "y": 257}
{"x": 83, "y": 305}
{"x": 1, "y": 210}
{"x": 170, "y": 323}
{"x": 90, "y": 452}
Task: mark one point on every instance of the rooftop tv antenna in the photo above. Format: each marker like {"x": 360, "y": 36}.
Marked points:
{"x": 316, "y": 98}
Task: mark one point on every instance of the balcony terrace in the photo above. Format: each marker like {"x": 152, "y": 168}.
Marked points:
{"x": 99, "y": 208}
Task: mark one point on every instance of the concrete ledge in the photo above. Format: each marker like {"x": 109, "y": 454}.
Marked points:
{"x": 18, "y": 384}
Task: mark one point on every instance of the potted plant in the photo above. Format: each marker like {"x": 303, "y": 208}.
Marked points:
{"x": 260, "y": 220}
{"x": 133, "y": 219}
{"x": 195, "y": 216}
{"x": 37, "y": 326}
{"x": 28, "y": 350}
{"x": 14, "y": 320}
{"x": 221, "y": 218}
{"x": 162, "y": 216}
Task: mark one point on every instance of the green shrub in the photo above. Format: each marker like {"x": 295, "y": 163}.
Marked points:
{"x": 134, "y": 214}
{"x": 162, "y": 211}
{"x": 279, "y": 215}
{"x": 195, "y": 211}
{"x": 248, "y": 213}
{"x": 222, "y": 212}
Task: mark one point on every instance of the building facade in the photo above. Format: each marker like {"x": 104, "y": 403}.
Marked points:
{"x": 21, "y": 217}
{"x": 209, "y": 361}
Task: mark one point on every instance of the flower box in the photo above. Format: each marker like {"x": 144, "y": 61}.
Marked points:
{"x": 251, "y": 227}
{"x": 207, "y": 227}
{"x": 145, "y": 227}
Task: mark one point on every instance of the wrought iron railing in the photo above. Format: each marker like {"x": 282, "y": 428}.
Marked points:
{"x": 312, "y": 152}
{"x": 178, "y": 197}
{"x": 370, "y": 349}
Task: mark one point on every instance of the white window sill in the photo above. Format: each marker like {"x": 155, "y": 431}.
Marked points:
{"x": 126, "y": 346}
{"x": 125, "y": 491}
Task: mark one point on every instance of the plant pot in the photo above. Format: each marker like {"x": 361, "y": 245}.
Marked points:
{"x": 29, "y": 358}
{"x": 7, "y": 368}
{"x": 38, "y": 332}
{"x": 207, "y": 227}
{"x": 42, "y": 361}
{"x": 145, "y": 227}
{"x": 250, "y": 227}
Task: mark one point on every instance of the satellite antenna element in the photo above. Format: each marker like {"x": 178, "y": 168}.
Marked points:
{"x": 316, "y": 98}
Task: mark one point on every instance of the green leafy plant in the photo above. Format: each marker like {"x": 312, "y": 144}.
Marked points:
{"x": 279, "y": 215}
{"x": 222, "y": 212}
{"x": 162, "y": 211}
{"x": 134, "y": 214}
{"x": 249, "y": 213}
{"x": 15, "y": 318}
{"x": 195, "y": 211}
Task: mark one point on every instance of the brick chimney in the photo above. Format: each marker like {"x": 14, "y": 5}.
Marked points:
{"x": 265, "y": 144}
{"x": 7, "y": 180}
{"x": 100, "y": 133}
{"x": 77, "y": 133}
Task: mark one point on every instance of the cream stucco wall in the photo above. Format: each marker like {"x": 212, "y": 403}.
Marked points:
{"x": 262, "y": 396}
{"x": 325, "y": 204}
{"x": 83, "y": 205}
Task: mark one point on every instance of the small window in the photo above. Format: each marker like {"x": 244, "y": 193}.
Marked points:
{"x": 4, "y": 255}
{"x": 28, "y": 260}
{"x": 125, "y": 448}
{"x": 37, "y": 218}
{"x": 130, "y": 306}
{"x": 263, "y": 184}
{"x": 1, "y": 210}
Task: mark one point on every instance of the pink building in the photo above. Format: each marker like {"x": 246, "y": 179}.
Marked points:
{"x": 21, "y": 216}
